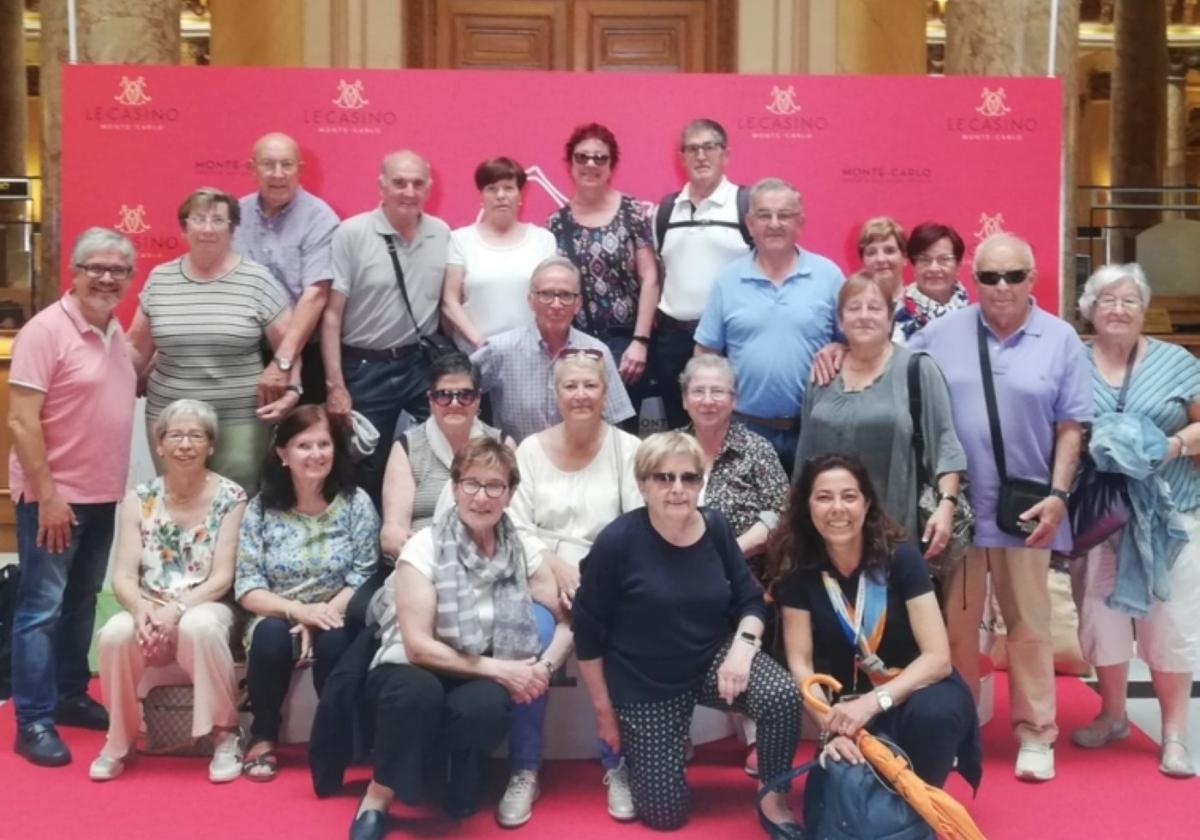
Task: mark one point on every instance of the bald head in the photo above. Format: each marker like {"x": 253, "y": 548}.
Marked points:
{"x": 276, "y": 161}
{"x": 405, "y": 158}
{"x": 404, "y": 182}
{"x": 1006, "y": 244}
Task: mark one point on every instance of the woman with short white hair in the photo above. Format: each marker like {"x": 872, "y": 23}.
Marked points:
{"x": 1160, "y": 381}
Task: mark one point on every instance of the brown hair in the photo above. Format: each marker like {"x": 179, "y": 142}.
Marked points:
{"x": 879, "y": 229}
{"x": 498, "y": 169}
{"x": 487, "y": 453}
{"x": 861, "y": 281}
{"x": 206, "y": 197}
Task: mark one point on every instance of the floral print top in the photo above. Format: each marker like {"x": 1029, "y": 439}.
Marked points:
{"x": 746, "y": 479}
{"x": 308, "y": 558}
{"x": 607, "y": 258}
{"x": 173, "y": 559}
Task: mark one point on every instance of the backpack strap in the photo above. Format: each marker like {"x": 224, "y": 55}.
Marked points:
{"x": 662, "y": 219}
{"x": 743, "y": 210}
{"x": 663, "y": 223}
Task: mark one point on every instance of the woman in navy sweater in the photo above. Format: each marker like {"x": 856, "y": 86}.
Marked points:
{"x": 668, "y": 616}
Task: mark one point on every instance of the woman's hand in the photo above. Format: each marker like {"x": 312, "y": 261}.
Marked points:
{"x": 392, "y": 537}
{"x": 337, "y": 402}
{"x": 306, "y": 643}
{"x": 633, "y": 362}
{"x": 566, "y": 576}
{"x": 849, "y": 717}
{"x": 144, "y": 628}
{"x": 733, "y": 675}
{"x": 525, "y": 681}
{"x": 938, "y": 529}
{"x": 842, "y": 748}
{"x": 275, "y": 411}
{"x": 606, "y": 728}
{"x": 321, "y": 615}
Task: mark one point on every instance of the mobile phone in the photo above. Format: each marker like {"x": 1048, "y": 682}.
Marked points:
{"x": 1028, "y": 526}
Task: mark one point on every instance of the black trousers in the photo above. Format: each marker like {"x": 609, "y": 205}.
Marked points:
{"x": 269, "y": 670}
{"x": 672, "y": 345}
{"x": 418, "y": 710}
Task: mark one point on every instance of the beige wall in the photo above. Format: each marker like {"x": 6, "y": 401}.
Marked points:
{"x": 308, "y": 33}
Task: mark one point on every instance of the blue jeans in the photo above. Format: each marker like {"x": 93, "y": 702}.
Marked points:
{"x": 56, "y": 609}
{"x": 380, "y": 390}
{"x": 525, "y": 737}
{"x": 784, "y": 441}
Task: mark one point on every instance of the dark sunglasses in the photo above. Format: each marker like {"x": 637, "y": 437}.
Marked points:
{"x": 582, "y": 158}
{"x": 668, "y": 479}
{"x": 444, "y": 396}
{"x": 590, "y": 352}
{"x": 1012, "y": 278}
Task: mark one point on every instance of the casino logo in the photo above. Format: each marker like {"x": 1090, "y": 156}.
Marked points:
{"x": 992, "y": 103}
{"x": 132, "y": 220}
{"x": 993, "y": 119}
{"x": 783, "y": 119}
{"x": 783, "y": 101}
{"x": 132, "y": 91}
{"x": 989, "y": 225}
{"x": 350, "y": 113}
{"x": 134, "y": 109}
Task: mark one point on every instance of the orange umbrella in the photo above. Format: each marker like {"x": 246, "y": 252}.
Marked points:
{"x": 943, "y": 812}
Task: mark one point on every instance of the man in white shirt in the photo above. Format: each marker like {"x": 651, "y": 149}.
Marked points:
{"x": 697, "y": 230}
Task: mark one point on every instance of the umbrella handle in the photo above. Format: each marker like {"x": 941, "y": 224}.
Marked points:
{"x": 813, "y": 698}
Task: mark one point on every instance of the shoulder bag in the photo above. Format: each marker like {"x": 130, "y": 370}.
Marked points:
{"x": 432, "y": 346}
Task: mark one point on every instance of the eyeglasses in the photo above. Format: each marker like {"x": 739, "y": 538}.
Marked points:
{"x": 1112, "y": 302}
{"x": 491, "y": 489}
{"x": 584, "y": 158}
{"x": 716, "y": 394}
{"x": 176, "y": 438}
{"x": 287, "y": 167}
{"x": 95, "y": 271}
{"x": 548, "y": 297}
{"x": 589, "y": 352}
{"x": 781, "y": 216}
{"x": 708, "y": 147}
{"x": 691, "y": 480}
{"x": 445, "y": 396}
{"x": 1012, "y": 278}
{"x": 943, "y": 260}
{"x": 212, "y": 222}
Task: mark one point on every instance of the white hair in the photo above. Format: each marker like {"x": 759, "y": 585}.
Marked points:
{"x": 198, "y": 410}
{"x": 708, "y": 362}
{"x": 97, "y": 239}
{"x": 1107, "y": 276}
{"x": 1003, "y": 240}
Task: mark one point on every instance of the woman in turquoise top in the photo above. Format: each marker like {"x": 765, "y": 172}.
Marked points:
{"x": 308, "y": 540}
{"x": 1164, "y": 386}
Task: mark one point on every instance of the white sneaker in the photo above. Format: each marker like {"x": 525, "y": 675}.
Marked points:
{"x": 226, "y": 764}
{"x": 620, "y": 797}
{"x": 516, "y": 806}
{"x": 1035, "y": 763}
{"x": 105, "y": 768}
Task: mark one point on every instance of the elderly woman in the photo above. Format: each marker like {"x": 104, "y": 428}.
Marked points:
{"x": 935, "y": 251}
{"x": 308, "y": 540}
{"x": 417, "y": 483}
{"x": 607, "y": 235}
{"x": 857, "y": 412}
{"x": 174, "y": 561}
{"x": 467, "y": 614}
{"x": 881, "y": 245}
{"x": 661, "y": 589}
{"x": 490, "y": 262}
{"x": 199, "y": 329}
{"x": 858, "y": 604}
{"x": 1161, "y": 382}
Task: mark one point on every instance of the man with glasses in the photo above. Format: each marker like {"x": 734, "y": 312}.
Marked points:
{"x": 388, "y": 265}
{"x": 517, "y": 366}
{"x": 697, "y": 231}
{"x": 1043, "y": 393}
{"x": 770, "y": 312}
{"x": 71, "y": 416}
{"x": 289, "y": 230}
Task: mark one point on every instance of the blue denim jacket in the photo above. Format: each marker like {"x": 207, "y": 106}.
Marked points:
{"x": 1131, "y": 444}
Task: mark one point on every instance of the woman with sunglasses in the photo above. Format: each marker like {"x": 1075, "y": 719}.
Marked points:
{"x": 607, "y": 235}
{"x": 576, "y": 477}
{"x": 416, "y": 485}
{"x": 662, "y": 586}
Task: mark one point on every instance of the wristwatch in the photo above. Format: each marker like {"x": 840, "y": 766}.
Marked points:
{"x": 885, "y": 699}
{"x": 948, "y": 497}
{"x": 283, "y": 364}
{"x": 1061, "y": 494}
{"x": 642, "y": 339}
{"x": 299, "y": 390}
{"x": 749, "y": 638}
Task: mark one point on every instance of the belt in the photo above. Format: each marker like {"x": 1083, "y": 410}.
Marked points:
{"x": 665, "y": 320}
{"x": 785, "y": 424}
{"x": 390, "y": 355}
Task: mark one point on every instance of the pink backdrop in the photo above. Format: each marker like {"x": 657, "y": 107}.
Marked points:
{"x": 979, "y": 154}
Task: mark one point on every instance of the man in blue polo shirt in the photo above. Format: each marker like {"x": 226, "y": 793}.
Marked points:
{"x": 771, "y": 312}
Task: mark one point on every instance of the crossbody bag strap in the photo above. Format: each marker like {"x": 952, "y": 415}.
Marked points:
{"x": 989, "y": 395}
{"x": 1128, "y": 376}
{"x": 391, "y": 247}
{"x": 914, "y": 410}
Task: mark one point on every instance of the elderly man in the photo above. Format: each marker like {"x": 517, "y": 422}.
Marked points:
{"x": 71, "y": 418}
{"x": 1043, "y": 393}
{"x": 517, "y": 366}
{"x": 698, "y": 230}
{"x": 771, "y": 311}
{"x": 388, "y": 265}
{"x": 289, "y": 230}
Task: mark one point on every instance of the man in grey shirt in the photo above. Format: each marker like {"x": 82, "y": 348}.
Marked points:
{"x": 388, "y": 265}
{"x": 289, "y": 230}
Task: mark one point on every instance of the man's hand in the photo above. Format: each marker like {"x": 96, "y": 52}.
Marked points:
{"x": 337, "y": 402}
{"x": 55, "y": 519}
{"x": 827, "y": 362}
{"x": 1048, "y": 513}
{"x": 271, "y": 385}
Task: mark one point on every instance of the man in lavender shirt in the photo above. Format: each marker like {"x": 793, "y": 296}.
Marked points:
{"x": 1043, "y": 395}
{"x": 290, "y": 231}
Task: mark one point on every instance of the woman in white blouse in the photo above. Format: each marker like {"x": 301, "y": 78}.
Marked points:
{"x": 489, "y": 263}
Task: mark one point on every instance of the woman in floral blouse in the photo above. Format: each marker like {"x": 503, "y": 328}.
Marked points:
{"x": 174, "y": 560}
{"x": 308, "y": 540}
{"x": 607, "y": 235}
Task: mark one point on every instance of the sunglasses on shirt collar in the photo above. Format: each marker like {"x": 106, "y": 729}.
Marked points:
{"x": 1012, "y": 278}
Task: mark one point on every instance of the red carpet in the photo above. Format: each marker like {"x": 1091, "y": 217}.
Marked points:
{"x": 1113, "y": 793}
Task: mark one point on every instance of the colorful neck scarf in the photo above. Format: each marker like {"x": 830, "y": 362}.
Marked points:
{"x": 863, "y": 623}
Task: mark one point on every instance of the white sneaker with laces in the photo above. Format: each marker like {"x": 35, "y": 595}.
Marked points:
{"x": 226, "y": 764}
{"x": 620, "y": 797}
{"x": 1035, "y": 763}
{"x": 105, "y": 768}
{"x": 516, "y": 806}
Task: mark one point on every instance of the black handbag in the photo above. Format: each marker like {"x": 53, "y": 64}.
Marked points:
{"x": 432, "y": 346}
{"x": 844, "y": 801}
{"x": 1100, "y": 502}
{"x": 1017, "y": 495}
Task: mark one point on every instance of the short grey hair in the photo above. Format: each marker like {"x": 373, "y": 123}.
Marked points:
{"x": 196, "y": 409}
{"x": 96, "y": 239}
{"x": 708, "y": 362}
{"x": 999, "y": 240}
{"x": 557, "y": 261}
{"x": 771, "y": 184}
{"x": 581, "y": 362}
{"x": 1107, "y": 276}
{"x": 704, "y": 124}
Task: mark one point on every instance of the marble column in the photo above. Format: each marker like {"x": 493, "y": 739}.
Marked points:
{"x": 12, "y": 138}
{"x": 1139, "y": 105}
{"x": 1175, "y": 160}
{"x": 1011, "y": 38}
{"x": 107, "y": 32}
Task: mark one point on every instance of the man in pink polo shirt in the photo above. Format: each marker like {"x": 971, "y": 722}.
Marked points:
{"x": 71, "y": 415}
